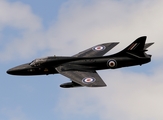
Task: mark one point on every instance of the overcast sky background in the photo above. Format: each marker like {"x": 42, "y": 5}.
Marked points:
{"x": 31, "y": 29}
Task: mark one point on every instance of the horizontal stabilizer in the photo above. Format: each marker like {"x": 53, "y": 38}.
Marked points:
{"x": 147, "y": 45}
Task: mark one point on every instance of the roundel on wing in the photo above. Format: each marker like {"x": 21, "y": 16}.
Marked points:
{"x": 88, "y": 80}
{"x": 112, "y": 63}
{"x": 99, "y": 48}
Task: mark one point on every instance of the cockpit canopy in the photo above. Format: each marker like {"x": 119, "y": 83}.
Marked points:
{"x": 38, "y": 62}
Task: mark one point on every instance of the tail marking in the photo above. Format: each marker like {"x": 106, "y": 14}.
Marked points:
{"x": 133, "y": 46}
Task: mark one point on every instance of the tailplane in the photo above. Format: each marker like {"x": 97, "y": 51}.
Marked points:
{"x": 147, "y": 45}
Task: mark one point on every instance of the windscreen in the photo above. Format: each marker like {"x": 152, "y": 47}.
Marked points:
{"x": 38, "y": 62}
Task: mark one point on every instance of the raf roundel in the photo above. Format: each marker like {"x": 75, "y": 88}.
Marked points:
{"x": 112, "y": 63}
{"x": 88, "y": 80}
{"x": 99, "y": 48}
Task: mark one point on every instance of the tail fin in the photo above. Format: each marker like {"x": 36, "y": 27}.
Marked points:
{"x": 135, "y": 49}
{"x": 137, "y": 45}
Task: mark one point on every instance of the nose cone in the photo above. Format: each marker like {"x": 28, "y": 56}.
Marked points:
{"x": 19, "y": 70}
{"x": 10, "y": 71}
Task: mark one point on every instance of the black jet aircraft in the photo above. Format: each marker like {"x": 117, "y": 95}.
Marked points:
{"x": 81, "y": 68}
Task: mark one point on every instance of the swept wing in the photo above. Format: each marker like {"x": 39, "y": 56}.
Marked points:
{"x": 97, "y": 51}
{"x": 88, "y": 79}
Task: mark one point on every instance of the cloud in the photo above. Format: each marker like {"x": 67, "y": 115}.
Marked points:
{"x": 128, "y": 96}
{"x": 132, "y": 96}
{"x": 106, "y": 21}
{"x": 19, "y": 17}
{"x": 80, "y": 25}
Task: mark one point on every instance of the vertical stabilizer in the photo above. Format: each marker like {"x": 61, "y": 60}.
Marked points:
{"x": 137, "y": 45}
{"x": 135, "y": 49}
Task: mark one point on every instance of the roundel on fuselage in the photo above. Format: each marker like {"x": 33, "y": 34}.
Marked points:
{"x": 112, "y": 63}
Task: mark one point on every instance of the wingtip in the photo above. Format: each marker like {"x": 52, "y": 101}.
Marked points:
{"x": 116, "y": 42}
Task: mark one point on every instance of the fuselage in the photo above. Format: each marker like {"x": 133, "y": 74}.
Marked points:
{"x": 45, "y": 66}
